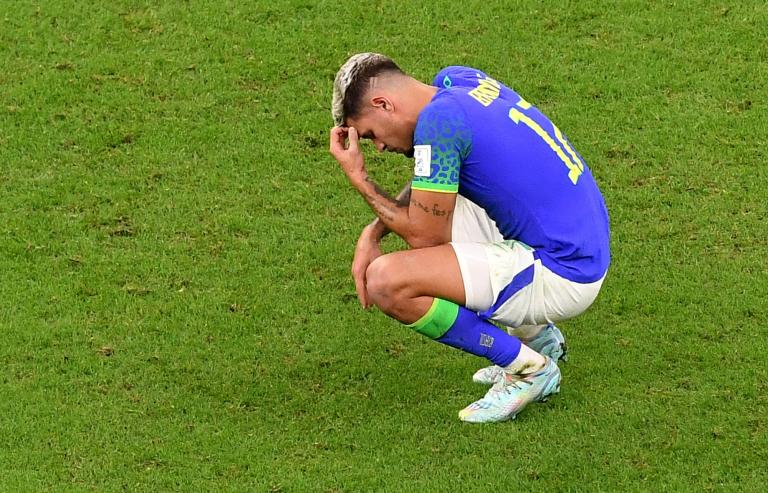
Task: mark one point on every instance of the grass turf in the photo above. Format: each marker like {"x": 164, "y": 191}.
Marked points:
{"x": 176, "y": 308}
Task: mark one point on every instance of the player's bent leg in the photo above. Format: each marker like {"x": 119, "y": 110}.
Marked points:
{"x": 471, "y": 224}
{"x": 404, "y": 283}
{"x": 395, "y": 281}
{"x": 489, "y": 271}
{"x": 507, "y": 283}
{"x": 423, "y": 289}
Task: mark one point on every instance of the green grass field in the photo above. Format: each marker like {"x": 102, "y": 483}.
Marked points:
{"x": 176, "y": 308}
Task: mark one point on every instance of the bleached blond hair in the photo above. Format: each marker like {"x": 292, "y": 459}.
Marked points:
{"x": 353, "y": 79}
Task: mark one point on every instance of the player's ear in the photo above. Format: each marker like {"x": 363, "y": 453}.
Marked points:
{"x": 382, "y": 102}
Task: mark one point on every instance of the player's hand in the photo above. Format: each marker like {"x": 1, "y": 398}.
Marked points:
{"x": 350, "y": 157}
{"x": 366, "y": 251}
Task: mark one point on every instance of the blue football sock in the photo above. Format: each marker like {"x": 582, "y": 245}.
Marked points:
{"x": 461, "y": 328}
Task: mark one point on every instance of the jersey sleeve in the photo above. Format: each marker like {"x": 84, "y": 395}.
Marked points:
{"x": 442, "y": 141}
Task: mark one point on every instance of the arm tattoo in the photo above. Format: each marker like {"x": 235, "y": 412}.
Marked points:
{"x": 420, "y": 205}
{"x": 381, "y": 192}
{"x": 433, "y": 210}
{"x": 440, "y": 212}
{"x": 403, "y": 199}
{"x": 381, "y": 202}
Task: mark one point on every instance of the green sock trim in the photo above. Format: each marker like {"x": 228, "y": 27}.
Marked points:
{"x": 438, "y": 319}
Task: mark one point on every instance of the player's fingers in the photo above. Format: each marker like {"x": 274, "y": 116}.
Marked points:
{"x": 362, "y": 293}
{"x": 354, "y": 140}
{"x": 337, "y": 137}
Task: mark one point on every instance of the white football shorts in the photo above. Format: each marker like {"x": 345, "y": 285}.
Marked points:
{"x": 505, "y": 281}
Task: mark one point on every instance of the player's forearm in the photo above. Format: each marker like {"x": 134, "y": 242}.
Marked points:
{"x": 396, "y": 215}
{"x": 392, "y": 214}
{"x": 378, "y": 228}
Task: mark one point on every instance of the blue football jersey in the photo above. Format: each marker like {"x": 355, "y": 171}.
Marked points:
{"x": 479, "y": 138}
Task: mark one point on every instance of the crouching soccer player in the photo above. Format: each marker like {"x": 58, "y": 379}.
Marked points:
{"x": 503, "y": 217}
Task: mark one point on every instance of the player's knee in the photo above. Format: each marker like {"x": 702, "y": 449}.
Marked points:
{"x": 377, "y": 277}
{"x": 383, "y": 282}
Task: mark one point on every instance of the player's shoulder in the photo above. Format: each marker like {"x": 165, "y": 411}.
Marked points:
{"x": 445, "y": 119}
{"x": 444, "y": 105}
{"x": 458, "y": 76}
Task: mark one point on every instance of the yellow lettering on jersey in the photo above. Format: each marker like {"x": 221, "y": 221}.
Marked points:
{"x": 486, "y": 92}
{"x": 523, "y": 104}
{"x": 574, "y": 170}
{"x": 564, "y": 143}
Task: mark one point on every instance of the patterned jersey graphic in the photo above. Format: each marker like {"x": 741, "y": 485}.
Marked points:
{"x": 451, "y": 139}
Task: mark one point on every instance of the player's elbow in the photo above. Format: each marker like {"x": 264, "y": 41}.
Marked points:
{"x": 426, "y": 241}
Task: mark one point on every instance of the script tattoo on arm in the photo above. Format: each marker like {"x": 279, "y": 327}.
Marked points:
{"x": 420, "y": 205}
{"x": 434, "y": 210}
{"x": 402, "y": 200}
{"x": 381, "y": 202}
{"x": 441, "y": 212}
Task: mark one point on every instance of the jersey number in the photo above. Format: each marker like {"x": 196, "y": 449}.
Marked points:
{"x": 560, "y": 147}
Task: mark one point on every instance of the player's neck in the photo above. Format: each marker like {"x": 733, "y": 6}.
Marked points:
{"x": 419, "y": 95}
{"x": 424, "y": 93}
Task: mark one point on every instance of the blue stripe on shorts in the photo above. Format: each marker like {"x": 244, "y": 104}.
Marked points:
{"x": 521, "y": 280}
